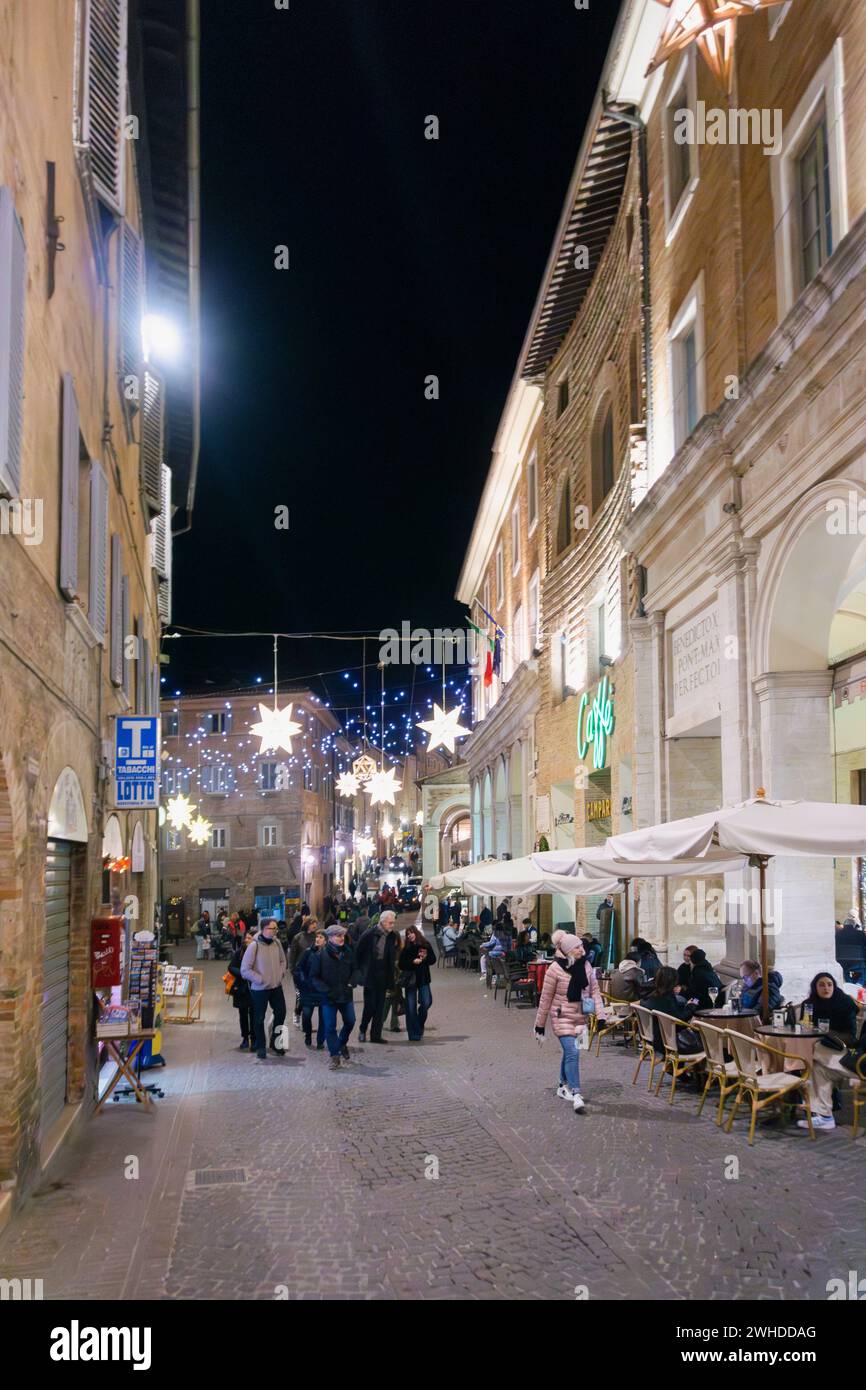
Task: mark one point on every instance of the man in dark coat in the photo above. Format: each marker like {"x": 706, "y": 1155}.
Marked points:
{"x": 377, "y": 966}
{"x": 702, "y": 979}
{"x": 851, "y": 951}
{"x": 332, "y": 970}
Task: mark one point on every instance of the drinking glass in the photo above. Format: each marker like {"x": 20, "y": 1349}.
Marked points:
{"x": 823, "y": 1025}
{"x": 714, "y": 994}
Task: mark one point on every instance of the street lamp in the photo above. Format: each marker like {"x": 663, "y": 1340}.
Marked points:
{"x": 160, "y": 338}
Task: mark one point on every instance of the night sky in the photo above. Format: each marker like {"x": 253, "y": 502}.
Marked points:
{"x": 407, "y": 257}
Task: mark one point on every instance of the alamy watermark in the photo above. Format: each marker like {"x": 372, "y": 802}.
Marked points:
{"x": 735, "y": 126}
{"x": 421, "y": 646}
{"x": 22, "y": 517}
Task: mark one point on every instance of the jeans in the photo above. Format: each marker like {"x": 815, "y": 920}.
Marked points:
{"x": 419, "y": 1001}
{"x": 307, "y": 1022}
{"x": 261, "y": 999}
{"x": 569, "y": 1070}
{"x": 337, "y": 1041}
{"x": 374, "y": 1006}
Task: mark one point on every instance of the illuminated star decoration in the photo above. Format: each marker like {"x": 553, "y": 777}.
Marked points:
{"x": 387, "y": 828}
{"x": 712, "y": 24}
{"x": 347, "y": 784}
{"x": 383, "y": 787}
{"x": 179, "y": 812}
{"x": 364, "y": 767}
{"x": 276, "y": 728}
{"x": 419, "y": 818}
{"x": 365, "y": 845}
{"x": 444, "y": 728}
{"x": 199, "y": 830}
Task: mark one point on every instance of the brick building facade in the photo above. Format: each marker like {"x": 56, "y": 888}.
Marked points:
{"x": 89, "y": 478}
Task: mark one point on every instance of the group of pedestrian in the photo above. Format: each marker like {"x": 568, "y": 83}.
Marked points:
{"x": 851, "y": 948}
{"x": 327, "y": 963}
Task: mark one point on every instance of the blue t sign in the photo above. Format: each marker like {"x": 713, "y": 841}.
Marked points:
{"x": 136, "y": 767}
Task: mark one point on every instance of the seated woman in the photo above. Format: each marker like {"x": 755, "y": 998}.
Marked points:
{"x": 684, "y": 970}
{"x": 645, "y": 955}
{"x": 830, "y": 1002}
{"x": 664, "y": 998}
{"x": 627, "y": 980}
{"x": 830, "y": 1068}
{"x": 525, "y": 950}
{"x": 702, "y": 979}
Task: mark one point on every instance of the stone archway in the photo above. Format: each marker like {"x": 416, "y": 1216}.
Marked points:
{"x": 808, "y": 573}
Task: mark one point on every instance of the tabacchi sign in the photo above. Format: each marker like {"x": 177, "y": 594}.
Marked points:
{"x": 595, "y": 723}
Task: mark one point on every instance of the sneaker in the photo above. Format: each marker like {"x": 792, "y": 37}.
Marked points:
{"x": 362, "y": 1037}
{"x": 564, "y": 1092}
{"x": 334, "y": 1064}
{"x": 308, "y": 1041}
{"x": 297, "y": 1020}
{"x": 818, "y": 1122}
{"x": 320, "y": 1047}
{"x": 262, "y": 1055}
{"x": 245, "y": 1045}
{"x": 578, "y": 1102}
{"x": 395, "y": 1028}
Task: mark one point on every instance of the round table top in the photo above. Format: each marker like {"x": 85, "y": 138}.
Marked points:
{"x": 801, "y": 1032}
{"x": 725, "y": 1013}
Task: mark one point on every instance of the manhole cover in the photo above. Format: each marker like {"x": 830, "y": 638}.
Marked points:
{"x": 216, "y": 1177}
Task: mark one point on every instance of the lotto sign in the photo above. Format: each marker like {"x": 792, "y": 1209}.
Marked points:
{"x": 136, "y": 760}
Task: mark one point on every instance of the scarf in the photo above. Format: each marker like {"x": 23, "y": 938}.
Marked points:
{"x": 577, "y": 979}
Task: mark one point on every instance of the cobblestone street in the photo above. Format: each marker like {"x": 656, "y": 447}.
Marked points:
{"x": 317, "y": 1181}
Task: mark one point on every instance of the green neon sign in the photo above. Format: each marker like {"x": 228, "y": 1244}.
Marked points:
{"x": 595, "y": 724}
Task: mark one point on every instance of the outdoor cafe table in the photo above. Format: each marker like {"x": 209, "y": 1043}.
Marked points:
{"x": 744, "y": 1022}
{"x": 536, "y": 970}
{"x": 797, "y": 1042}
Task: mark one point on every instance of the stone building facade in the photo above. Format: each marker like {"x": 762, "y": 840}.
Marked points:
{"x": 749, "y": 661}
{"x": 276, "y": 837}
{"x": 89, "y": 479}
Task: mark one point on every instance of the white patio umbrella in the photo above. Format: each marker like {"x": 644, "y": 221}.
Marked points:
{"x": 759, "y": 829}
{"x": 507, "y": 877}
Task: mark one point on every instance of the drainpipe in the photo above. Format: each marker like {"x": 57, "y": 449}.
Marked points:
{"x": 193, "y": 35}
{"x": 637, "y": 124}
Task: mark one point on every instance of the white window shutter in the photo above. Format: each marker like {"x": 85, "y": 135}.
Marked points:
{"x": 116, "y": 655}
{"x": 69, "y": 486}
{"x": 154, "y": 689}
{"x": 130, "y": 303}
{"x": 127, "y": 632}
{"x": 13, "y": 284}
{"x": 105, "y": 98}
{"x": 96, "y": 610}
{"x": 160, "y": 535}
{"x": 140, "y": 669}
{"x": 152, "y": 441}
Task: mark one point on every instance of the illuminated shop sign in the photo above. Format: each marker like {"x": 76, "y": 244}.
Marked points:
{"x": 595, "y": 723}
{"x": 598, "y": 810}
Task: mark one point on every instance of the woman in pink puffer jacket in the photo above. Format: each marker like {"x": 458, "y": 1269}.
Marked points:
{"x": 570, "y": 981}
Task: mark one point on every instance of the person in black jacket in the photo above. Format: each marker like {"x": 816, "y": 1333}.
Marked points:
{"x": 701, "y": 980}
{"x": 851, "y": 951}
{"x": 646, "y": 957}
{"x": 332, "y": 971}
{"x": 684, "y": 970}
{"x": 665, "y": 999}
{"x": 242, "y": 999}
{"x": 831, "y": 1003}
{"x": 376, "y": 958}
{"x": 310, "y": 993}
{"x": 415, "y": 960}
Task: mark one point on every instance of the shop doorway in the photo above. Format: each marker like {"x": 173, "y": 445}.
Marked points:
{"x": 270, "y": 902}
{"x": 55, "y": 983}
{"x": 213, "y": 905}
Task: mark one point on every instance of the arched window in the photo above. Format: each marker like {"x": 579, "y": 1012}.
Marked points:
{"x": 603, "y": 455}
{"x": 563, "y": 523}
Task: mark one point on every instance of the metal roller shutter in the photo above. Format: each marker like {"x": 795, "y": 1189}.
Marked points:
{"x": 55, "y": 988}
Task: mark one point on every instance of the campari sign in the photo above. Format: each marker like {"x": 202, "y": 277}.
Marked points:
{"x": 595, "y": 723}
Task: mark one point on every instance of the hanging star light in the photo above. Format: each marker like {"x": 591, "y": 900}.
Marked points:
{"x": 443, "y": 728}
{"x": 365, "y": 845}
{"x": 383, "y": 787}
{"x": 179, "y": 812}
{"x": 199, "y": 830}
{"x": 387, "y": 828}
{"x": 276, "y": 728}
{"x": 364, "y": 767}
{"x": 712, "y": 24}
{"x": 348, "y": 784}
{"x": 419, "y": 818}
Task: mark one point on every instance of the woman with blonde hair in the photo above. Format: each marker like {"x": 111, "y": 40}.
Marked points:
{"x": 569, "y": 997}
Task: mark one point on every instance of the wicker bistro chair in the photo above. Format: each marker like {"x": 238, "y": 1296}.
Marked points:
{"x": 676, "y": 1062}
{"x": 763, "y": 1085}
{"x": 619, "y": 1020}
{"x": 719, "y": 1069}
{"x": 646, "y": 1043}
{"x": 858, "y": 1085}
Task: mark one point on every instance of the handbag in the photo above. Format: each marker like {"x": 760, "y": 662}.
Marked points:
{"x": 230, "y": 982}
{"x": 406, "y": 979}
